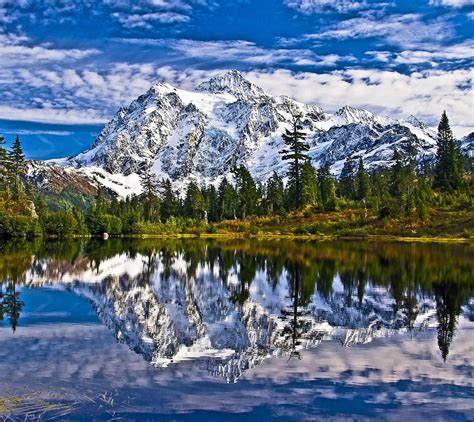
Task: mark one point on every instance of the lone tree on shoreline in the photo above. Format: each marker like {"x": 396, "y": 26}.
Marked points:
{"x": 295, "y": 153}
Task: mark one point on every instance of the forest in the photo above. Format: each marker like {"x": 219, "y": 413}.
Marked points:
{"x": 408, "y": 199}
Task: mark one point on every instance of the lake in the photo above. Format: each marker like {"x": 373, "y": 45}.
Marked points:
{"x": 236, "y": 330}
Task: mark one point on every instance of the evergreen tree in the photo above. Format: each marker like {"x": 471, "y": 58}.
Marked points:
{"x": 309, "y": 183}
{"x": 275, "y": 201}
{"x": 327, "y": 191}
{"x": 17, "y": 166}
{"x": 149, "y": 184}
{"x": 212, "y": 204}
{"x": 447, "y": 174}
{"x": 227, "y": 198}
{"x": 295, "y": 153}
{"x": 346, "y": 180}
{"x": 194, "y": 204}
{"x": 246, "y": 192}
{"x": 168, "y": 201}
{"x": 397, "y": 177}
{"x": 362, "y": 183}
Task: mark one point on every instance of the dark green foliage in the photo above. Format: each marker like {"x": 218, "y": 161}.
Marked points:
{"x": 227, "y": 200}
{"x": 194, "y": 204}
{"x": 309, "y": 182}
{"x": 18, "y": 225}
{"x": 347, "y": 180}
{"x": 151, "y": 206}
{"x": 16, "y": 167}
{"x": 275, "y": 201}
{"x": 61, "y": 223}
{"x": 327, "y": 191}
{"x": 447, "y": 172}
{"x": 362, "y": 185}
{"x": 246, "y": 193}
{"x": 169, "y": 202}
{"x": 212, "y": 201}
{"x": 295, "y": 152}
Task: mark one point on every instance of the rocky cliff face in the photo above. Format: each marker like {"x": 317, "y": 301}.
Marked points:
{"x": 227, "y": 121}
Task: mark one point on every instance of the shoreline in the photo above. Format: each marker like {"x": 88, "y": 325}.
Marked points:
{"x": 269, "y": 236}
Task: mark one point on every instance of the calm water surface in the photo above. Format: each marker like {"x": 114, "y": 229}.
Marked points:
{"x": 236, "y": 330}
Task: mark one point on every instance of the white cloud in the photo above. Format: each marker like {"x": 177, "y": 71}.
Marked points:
{"x": 51, "y": 115}
{"x": 146, "y": 20}
{"x": 405, "y": 30}
{"x": 433, "y": 56}
{"x": 452, "y": 3}
{"x": 241, "y": 51}
{"x": 15, "y": 50}
{"x": 317, "y": 6}
{"x": 424, "y": 94}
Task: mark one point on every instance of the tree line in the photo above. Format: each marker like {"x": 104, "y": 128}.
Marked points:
{"x": 407, "y": 188}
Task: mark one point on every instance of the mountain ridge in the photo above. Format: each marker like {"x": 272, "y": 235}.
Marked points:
{"x": 226, "y": 121}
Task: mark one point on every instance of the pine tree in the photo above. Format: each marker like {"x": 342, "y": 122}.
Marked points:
{"x": 246, "y": 193}
{"x": 275, "y": 202}
{"x": 17, "y": 167}
{"x": 362, "y": 183}
{"x": 168, "y": 201}
{"x": 194, "y": 204}
{"x": 327, "y": 191}
{"x": 309, "y": 182}
{"x": 447, "y": 174}
{"x": 149, "y": 184}
{"x": 397, "y": 177}
{"x": 227, "y": 198}
{"x": 346, "y": 180}
{"x": 295, "y": 153}
{"x": 212, "y": 204}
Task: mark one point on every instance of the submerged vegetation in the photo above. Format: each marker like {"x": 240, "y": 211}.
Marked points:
{"x": 409, "y": 199}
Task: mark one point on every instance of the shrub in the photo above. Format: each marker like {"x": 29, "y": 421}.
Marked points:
{"x": 61, "y": 223}
{"x": 18, "y": 226}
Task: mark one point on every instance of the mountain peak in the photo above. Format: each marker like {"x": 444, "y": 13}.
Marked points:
{"x": 231, "y": 82}
{"x": 348, "y": 114}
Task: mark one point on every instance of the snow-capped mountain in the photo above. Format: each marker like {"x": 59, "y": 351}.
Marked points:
{"x": 227, "y": 121}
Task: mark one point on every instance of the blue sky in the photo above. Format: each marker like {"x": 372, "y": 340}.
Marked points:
{"x": 67, "y": 66}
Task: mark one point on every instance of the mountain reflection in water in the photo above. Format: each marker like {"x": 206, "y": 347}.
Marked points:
{"x": 228, "y": 305}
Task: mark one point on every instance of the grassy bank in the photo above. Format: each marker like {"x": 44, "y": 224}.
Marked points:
{"x": 442, "y": 226}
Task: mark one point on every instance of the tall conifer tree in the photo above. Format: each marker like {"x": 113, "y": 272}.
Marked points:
{"x": 17, "y": 166}
{"x": 295, "y": 152}
{"x": 447, "y": 175}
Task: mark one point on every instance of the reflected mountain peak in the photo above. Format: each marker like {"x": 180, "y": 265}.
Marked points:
{"x": 228, "y": 306}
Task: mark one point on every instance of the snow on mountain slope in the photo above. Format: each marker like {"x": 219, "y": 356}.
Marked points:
{"x": 227, "y": 121}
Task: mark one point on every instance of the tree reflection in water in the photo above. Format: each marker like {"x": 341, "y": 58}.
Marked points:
{"x": 236, "y": 302}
